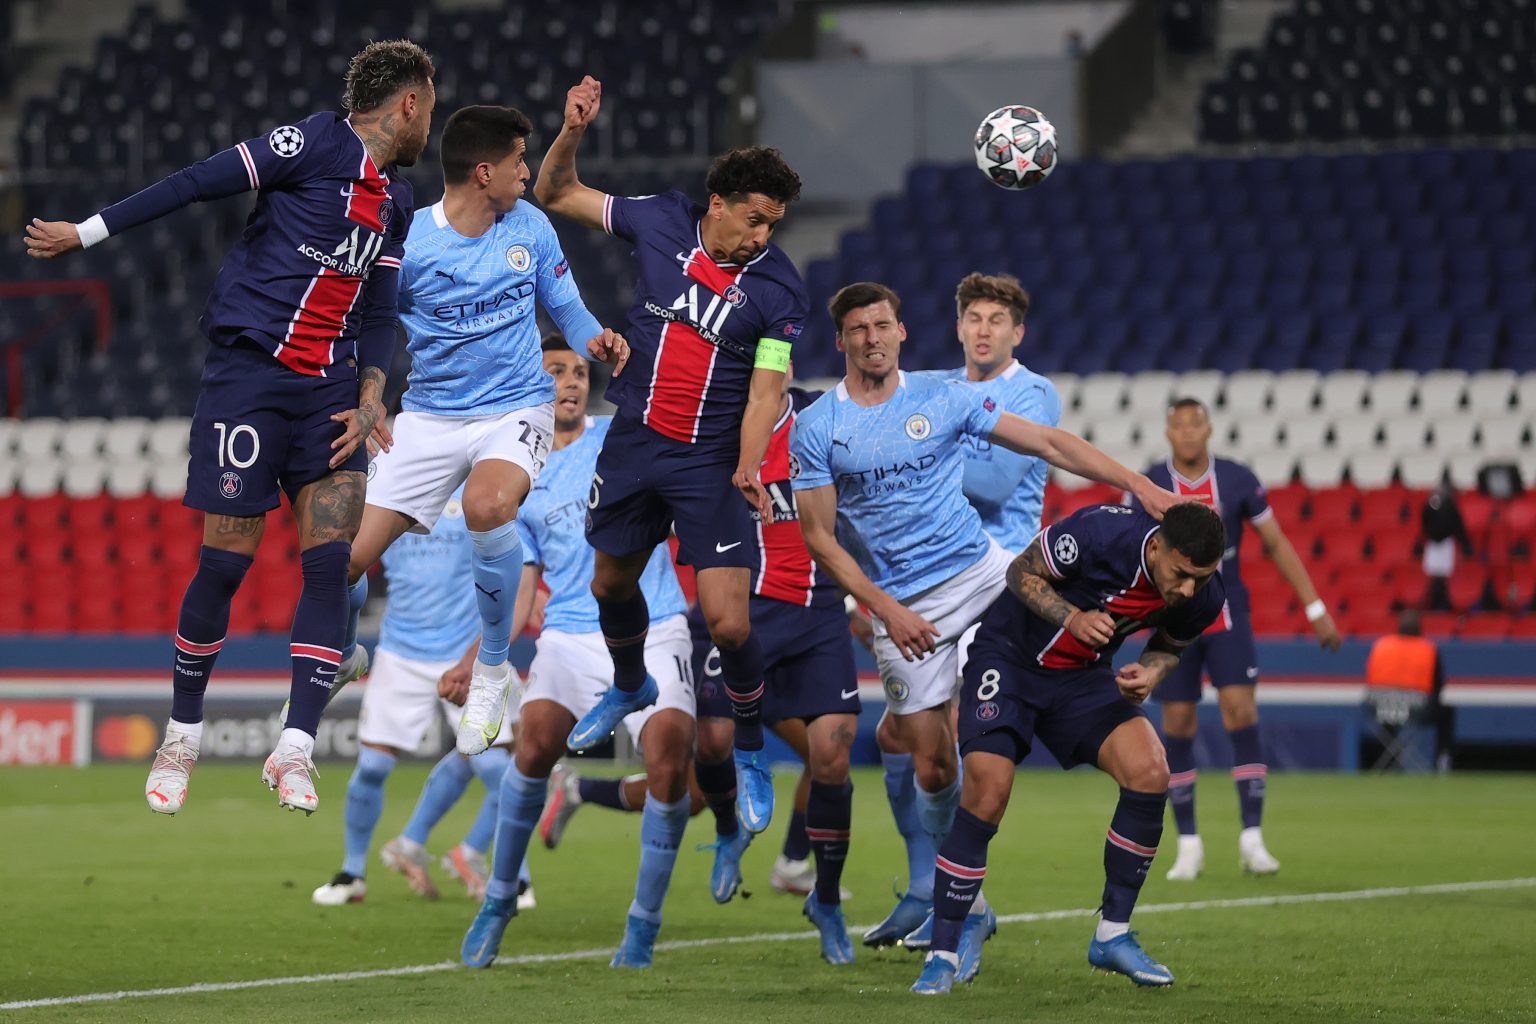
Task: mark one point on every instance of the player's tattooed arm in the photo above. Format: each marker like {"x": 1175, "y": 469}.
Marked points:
{"x": 331, "y": 508}
{"x": 1138, "y": 679}
{"x": 365, "y": 424}
{"x": 558, "y": 189}
{"x": 1030, "y": 582}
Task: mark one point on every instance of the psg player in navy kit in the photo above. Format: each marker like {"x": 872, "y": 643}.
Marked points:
{"x": 302, "y": 320}
{"x": 717, "y": 309}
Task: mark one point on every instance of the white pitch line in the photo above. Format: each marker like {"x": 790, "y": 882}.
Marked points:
{"x": 735, "y": 940}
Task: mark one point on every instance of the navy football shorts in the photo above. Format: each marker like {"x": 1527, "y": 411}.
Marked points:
{"x": 647, "y": 486}
{"x": 261, "y": 430}
{"x": 808, "y": 654}
{"x": 1007, "y": 700}
{"x": 1228, "y": 657}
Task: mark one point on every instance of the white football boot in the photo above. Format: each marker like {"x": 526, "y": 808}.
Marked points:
{"x": 291, "y": 773}
{"x": 1190, "y": 861}
{"x": 340, "y": 891}
{"x": 166, "y": 787}
{"x": 484, "y": 708}
{"x": 1251, "y": 854}
{"x": 410, "y": 859}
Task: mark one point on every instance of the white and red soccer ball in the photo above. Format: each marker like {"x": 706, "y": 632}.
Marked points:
{"x": 1016, "y": 147}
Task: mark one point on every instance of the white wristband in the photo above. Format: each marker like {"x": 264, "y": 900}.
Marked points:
{"x": 92, "y": 231}
{"x": 850, "y": 604}
{"x": 1316, "y": 610}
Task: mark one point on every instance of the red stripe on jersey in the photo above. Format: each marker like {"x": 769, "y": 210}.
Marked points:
{"x": 786, "y": 572}
{"x": 250, "y": 165}
{"x": 1137, "y": 602}
{"x": 1223, "y": 621}
{"x": 366, "y": 197}
{"x": 318, "y": 322}
{"x": 710, "y": 274}
{"x": 679, "y": 380}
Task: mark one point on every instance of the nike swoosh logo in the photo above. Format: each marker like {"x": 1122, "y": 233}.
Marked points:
{"x": 721, "y": 549}
{"x": 186, "y": 661}
{"x": 964, "y": 888}
{"x": 848, "y": 694}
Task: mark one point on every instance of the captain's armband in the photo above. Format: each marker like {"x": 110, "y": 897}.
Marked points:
{"x": 772, "y": 354}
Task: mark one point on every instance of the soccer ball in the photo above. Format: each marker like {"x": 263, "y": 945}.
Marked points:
{"x": 1016, "y": 147}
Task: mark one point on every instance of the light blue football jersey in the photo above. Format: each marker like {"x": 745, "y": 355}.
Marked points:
{"x": 468, "y": 308}
{"x": 552, "y": 524}
{"x": 431, "y": 613}
{"x": 898, "y": 469}
{"x": 1006, "y": 488}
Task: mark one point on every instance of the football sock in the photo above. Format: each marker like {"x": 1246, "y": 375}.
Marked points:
{"x": 828, "y": 824}
{"x": 1106, "y": 930}
{"x": 201, "y": 627}
{"x": 365, "y": 802}
{"x": 626, "y": 624}
{"x": 797, "y": 845}
{"x": 718, "y": 784}
{"x": 445, "y": 784}
{"x": 741, "y": 670}
{"x": 936, "y": 811}
{"x": 1181, "y": 782}
{"x": 319, "y": 623}
{"x": 1134, "y": 833}
{"x": 1250, "y": 773}
{"x": 961, "y": 866}
{"x": 661, "y": 829}
{"x": 522, "y": 799}
{"x": 604, "y": 793}
{"x": 489, "y": 766}
{"x": 901, "y": 791}
{"x": 357, "y": 596}
{"x": 497, "y": 563}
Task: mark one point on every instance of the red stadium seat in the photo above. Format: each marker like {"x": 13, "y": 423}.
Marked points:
{"x": 138, "y": 513}
{"x": 1384, "y": 507}
{"x": 1440, "y": 624}
{"x": 1466, "y": 587}
{"x": 1333, "y": 508}
{"x": 1288, "y": 502}
{"x": 14, "y": 612}
{"x": 1523, "y": 627}
{"x": 44, "y": 513}
{"x": 1484, "y": 626}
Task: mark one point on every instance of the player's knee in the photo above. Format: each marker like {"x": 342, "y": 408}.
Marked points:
{"x": 830, "y": 766}
{"x": 986, "y": 802}
{"x": 536, "y": 755}
{"x": 936, "y": 774}
{"x": 714, "y": 740}
{"x": 886, "y": 737}
{"x": 1146, "y": 772}
{"x": 487, "y": 506}
{"x": 729, "y": 629}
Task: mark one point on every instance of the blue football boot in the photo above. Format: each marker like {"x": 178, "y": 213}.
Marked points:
{"x": 978, "y": 928}
{"x": 921, "y": 937}
{"x": 1124, "y": 955}
{"x": 910, "y": 913}
{"x": 836, "y": 946}
{"x": 639, "y": 943}
{"x": 754, "y": 790}
{"x": 725, "y": 875}
{"x": 483, "y": 939}
{"x": 598, "y": 724}
{"x": 937, "y": 979}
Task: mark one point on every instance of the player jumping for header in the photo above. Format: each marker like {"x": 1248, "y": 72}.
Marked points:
{"x": 302, "y": 320}
{"x": 717, "y": 308}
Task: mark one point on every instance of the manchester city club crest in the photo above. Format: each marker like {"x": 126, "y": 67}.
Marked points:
{"x": 918, "y": 427}
{"x": 230, "y": 485}
{"x": 897, "y": 690}
{"x": 518, "y": 258}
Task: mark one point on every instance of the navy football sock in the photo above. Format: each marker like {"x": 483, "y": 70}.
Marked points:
{"x": 1134, "y": 833}
{"x": 1181, "y": 782}
{"x": 828, "y": 825}
{"x": 626, "y": 624}
{"x": 959, "y": 869}
{"x": 201, "y": 627}
{"x": 797, "y": 845}
{"x": 741, "y": 670}
{"x": 497, "y": 562}
{"x": 603, "y": 793}
{"x": 1250, "y": 773}
{"x": 319, "y": 626}
{"x": 718, "y": 784}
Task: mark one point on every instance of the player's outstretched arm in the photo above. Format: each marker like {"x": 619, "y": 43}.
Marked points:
{"x": 1280, "y": 550}
{"x": 1030, "y": 580}
{"x": 912, "y": 634}
{"x": 558, "y": 189}
{"x": 765, "y": 401}
{"x": 1073, "y": 454}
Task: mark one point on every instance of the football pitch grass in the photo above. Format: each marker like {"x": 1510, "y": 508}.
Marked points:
{"x": 98, "y": 895}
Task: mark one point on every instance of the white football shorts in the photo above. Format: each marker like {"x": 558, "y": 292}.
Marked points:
{"x": 400, "y": 698}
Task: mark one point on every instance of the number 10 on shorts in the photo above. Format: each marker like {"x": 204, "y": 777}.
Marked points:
{"x": 231, "y": 441}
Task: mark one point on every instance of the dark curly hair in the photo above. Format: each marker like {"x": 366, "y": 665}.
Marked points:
{"x": 762, "y": 169}
{"x": 383, "y": 68}
{"x": 1195, "y": 531}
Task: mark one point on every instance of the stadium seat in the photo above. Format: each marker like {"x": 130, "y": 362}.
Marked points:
{"x": 1321, "y": 468}
{"x": 1101, "y": 394}
{"x": 1249, "y": 391}
{"x": 1293, "y": 392}
{"x": 1148, "y": 397}
{"x": 1372, "y": 469}
{"x": 1392, "y": 393}
{"x": 1503, "y": 436}
{"x": 1255, "y": 435}
{"x": 1441, "y": 391}
{"x": 1352, "y": 433}
{"x": 1344, "y": 392}
{"x": 1491, "y": 392}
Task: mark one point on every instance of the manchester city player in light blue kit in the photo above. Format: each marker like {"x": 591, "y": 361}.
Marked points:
{"x": 428, "y": 624}
{"x": 1008, "y": 491}
{"x": 880, "y": 465}
{"x": 572, "y": 669}
{"x": 479, "y": 409}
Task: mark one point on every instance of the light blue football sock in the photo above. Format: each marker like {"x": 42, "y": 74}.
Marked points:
{"x": 901, "y": 791}
{"x": 522, "y": 800}
{"x": 357, "y": 596}
{"x": 365, "y": 803}
{"x": 444, "y": 786}
{"x": 490, "y": 767}
{"x": 661, "y": 830}
{"x": 498, "y": 567}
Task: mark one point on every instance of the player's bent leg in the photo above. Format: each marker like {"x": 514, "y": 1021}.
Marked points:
{"x": 1133, "y": 756}
{"x": 379, "y": 528}
{"x": 1250, "y": 773}
{"x": 666, "y": 740}
{"x": 715, "y": 773}
{"x": 828, "y": 823}
{"x": 724, "y": 593}
{"x": 1180, "y": 720}
{"x": 625, "y": 620}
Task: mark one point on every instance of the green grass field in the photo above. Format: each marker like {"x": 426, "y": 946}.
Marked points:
{"x": 99, "y": 895}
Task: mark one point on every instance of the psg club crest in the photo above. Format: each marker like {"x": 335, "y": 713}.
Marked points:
{"x": 230, "y": 485}
{"x": 286, "y": 141}
{"x": 986, "y": 711}
{"x": 1065, "y": 549}
{"x": 735, "y": 296}
{"x": 386, "y": 210}
{"x": 518, "y": 258}
{"x": 918, "y": 427}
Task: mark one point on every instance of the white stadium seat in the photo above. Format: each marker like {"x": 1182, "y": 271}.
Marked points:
{"x": 1441, "y": 391}
{"x": 1354, "y": 432}
{"x": 1293, "y": 392}
{"x": 10, "y": 471}
{"x": 1422, "y": 472}
{"x": 129, "y": 477}
{"x": 1255, "y": 435}
{"x": 39, "y": 479}
{"x": 1343, "y": 392}
{"x": 1371, "y": 469}
{"x": 1067, "y": 385}
{"x": 1202, "y": 384}
{"x": 1404, "y": 436}
{"x": 80, "y": 440}
{"x": 1321, "y": 469}
{"x": 1222, "y": 428}
{"x": 169, "y": 480}
{"x": 1274, "y": 469}
{"x": 10, "y": 436}
{"x": 126, "y": 438}
{"x": 1525, "y": 393}
{"x": 1503, "y": 437}
{"x": 1391, "y": 393}
{"x": 1073, "y": 423}
{"x": 1118, "y": 432}
{"x": 169, "y": 437}
{"x": 1463, "y": 473}
{"x": 1068, "y": 481}
{"x": 1303, "y": 432}
{"x": 39, "y": 439}
{"x": 1452, "y": 435}
{"x": 1247, "y": 391}
{"x": 1149, "y": 394}
{"x": 1101, "y": 393}
{"x": 83, "y": 478}
{"x": 1489, "y": 393}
